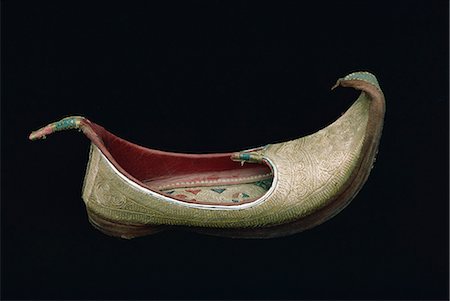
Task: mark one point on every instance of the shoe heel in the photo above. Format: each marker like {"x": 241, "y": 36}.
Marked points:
{"x": 125, "y": 231}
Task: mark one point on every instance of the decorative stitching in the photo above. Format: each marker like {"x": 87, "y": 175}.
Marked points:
{"x": 218, "y": 181}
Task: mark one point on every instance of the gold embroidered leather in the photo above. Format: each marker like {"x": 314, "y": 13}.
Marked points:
{"x": 312, "y": 178}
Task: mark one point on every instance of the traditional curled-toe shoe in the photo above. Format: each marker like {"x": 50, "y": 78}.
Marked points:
{"x": 285, "y": 188}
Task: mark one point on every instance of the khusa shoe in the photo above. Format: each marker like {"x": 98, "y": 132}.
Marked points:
{"x": 285, "y": 188}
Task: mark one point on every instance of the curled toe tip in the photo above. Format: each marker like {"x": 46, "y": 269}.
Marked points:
{"x": 338, "y": 82}
{"x": 36, "y": 135}
{"x": 32, "y": 136}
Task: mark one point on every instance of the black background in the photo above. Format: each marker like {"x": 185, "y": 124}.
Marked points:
{"x": 217, "y": 76}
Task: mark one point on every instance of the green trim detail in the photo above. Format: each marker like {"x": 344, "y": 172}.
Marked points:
{"x": 66, "y": 123}
{"x": 364, "y": 76}
{"x": 245, "y": 157}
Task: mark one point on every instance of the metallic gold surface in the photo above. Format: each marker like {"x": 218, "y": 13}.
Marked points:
{"x": 307, "y": 173}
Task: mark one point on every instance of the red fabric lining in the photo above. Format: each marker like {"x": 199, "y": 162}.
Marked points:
{"x": 146, "y": 164}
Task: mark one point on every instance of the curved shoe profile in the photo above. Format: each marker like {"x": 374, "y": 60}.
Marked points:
{"x": 282, "y": 189}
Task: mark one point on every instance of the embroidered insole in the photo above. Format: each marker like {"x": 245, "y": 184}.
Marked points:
{"x": 229, "y": 187}
{"x": 223, "y": 194}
